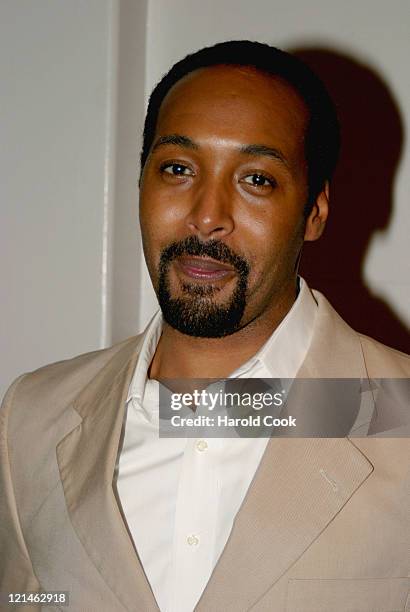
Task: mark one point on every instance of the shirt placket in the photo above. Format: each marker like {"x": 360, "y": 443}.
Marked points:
{"x": 195, "y": 524}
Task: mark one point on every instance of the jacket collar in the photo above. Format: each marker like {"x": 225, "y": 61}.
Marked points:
{"x": 335, "y": 350}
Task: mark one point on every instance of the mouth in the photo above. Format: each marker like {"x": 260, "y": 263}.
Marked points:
{"x": 203, "y": 268}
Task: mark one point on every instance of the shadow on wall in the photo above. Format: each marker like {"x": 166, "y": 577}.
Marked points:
{"x": 362, "y": 194}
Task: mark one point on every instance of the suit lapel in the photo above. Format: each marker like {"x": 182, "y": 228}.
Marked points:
{"x": 298, "y": 489}
{"x": 86, "y": 459}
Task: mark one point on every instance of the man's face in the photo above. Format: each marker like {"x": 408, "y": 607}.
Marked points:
{"x": 222, "y": 199}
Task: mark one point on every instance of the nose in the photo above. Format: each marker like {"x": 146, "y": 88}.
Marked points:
{"x": 210, "y": 215}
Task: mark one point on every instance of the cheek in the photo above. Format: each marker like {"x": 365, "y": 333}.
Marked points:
{"x": 270, "y": 235}
{"x": 160, "y": 223}
{"x": 150, "y": 231}
{"x": 272, "y": 249}
{"x": 161, "y": 212}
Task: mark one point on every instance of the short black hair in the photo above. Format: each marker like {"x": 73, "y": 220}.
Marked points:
{"x": 322, "y": 142}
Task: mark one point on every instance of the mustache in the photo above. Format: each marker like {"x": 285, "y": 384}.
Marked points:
{"x": 213, "y": 248}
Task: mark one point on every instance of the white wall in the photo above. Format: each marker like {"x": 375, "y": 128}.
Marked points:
{"x": 60, "y": 88}
{"x": 374, "y": 32}
{"x": 126, "y": 292}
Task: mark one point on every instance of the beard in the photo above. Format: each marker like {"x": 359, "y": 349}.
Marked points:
{"x": 196, "y": 313}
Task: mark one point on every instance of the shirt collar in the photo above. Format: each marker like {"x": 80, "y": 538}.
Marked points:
{"x": 147, "y": 352}
{"x": 285, "y": 350}
{"x": 280, "y": 357}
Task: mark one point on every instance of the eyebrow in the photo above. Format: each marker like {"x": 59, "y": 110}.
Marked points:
{"x": 259, "y": 149}
{"x": 251, "y": 149}
{"x": 175, "y": 139}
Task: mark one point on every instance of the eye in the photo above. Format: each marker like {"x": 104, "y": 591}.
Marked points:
{"x": 259, "y": 180}
{"x": 175, "y": 169}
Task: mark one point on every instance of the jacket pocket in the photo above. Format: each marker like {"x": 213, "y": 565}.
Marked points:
{"x": 363, "y": 595}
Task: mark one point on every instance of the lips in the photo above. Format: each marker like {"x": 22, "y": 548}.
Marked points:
{"x": 203, "y": 268}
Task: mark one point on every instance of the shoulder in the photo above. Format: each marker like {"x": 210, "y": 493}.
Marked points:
{"x": 57, "y": 384}
{"x": 383, "y": 361}
{"x": 336, "y": 342}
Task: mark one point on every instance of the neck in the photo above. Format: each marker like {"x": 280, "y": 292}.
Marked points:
{"x": 182, "y": 356}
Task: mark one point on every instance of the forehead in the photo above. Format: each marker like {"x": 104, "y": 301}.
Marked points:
{"x": 238, "y": 103}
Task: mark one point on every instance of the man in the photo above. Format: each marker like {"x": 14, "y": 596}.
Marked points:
{"x": 240, "y": 142}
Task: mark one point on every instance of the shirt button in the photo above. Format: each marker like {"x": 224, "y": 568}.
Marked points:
{"x": 192, "y": 540}
{"x": 202, "y": 446}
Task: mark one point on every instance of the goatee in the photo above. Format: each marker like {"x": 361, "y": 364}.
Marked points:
{"x": 196, "y": 313}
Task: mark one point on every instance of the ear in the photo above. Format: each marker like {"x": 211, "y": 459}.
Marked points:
{"x": 316, "y": 221}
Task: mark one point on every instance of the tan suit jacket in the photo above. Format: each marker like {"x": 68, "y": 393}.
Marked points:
{"x": 324, "y": 527}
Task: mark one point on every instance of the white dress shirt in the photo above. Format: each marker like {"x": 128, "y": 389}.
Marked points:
{"x": 180, "y": 495}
